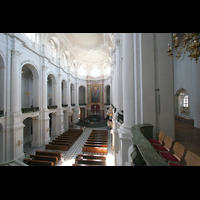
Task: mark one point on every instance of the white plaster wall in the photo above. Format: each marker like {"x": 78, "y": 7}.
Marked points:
{"x": 186, "y": 75}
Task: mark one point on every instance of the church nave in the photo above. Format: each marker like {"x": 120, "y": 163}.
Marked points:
{"x": 75, "y": 149}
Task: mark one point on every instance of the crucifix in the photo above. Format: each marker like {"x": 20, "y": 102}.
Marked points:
{"x": 95, "y": 110}
{"x": 27, "y": 93}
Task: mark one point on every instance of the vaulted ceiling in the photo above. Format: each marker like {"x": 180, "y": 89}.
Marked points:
{"x": 89, "y": 48}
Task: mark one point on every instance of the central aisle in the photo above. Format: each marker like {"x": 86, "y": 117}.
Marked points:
{"x": 75, "y": 149}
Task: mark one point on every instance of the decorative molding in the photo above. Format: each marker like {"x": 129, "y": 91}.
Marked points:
{"x": 19, "y": 142}
{"x": 16, "y": 53}
{"x": 44, "y": 67}
{"x": 40, "y": 52}
{"x": 3, "y": 56}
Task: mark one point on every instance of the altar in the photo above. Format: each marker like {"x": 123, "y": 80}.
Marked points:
{"x": 95, "y": 109}
{"x": 95, "y": 118}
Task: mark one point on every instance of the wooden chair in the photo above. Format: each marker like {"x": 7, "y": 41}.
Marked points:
{"x": 192, "y": 159}
{"x": 178, "y": 153}
{"x": 160, "y": 139}
{"x": 167, "y": 144}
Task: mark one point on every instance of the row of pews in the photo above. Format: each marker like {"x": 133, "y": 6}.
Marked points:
{"x": 64, "y": 141}
{"x": 96, "y": 143}
{"x": 43, "y": 158}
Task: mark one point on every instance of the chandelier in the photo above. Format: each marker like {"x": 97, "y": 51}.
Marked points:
{"x": 189, "y": 43}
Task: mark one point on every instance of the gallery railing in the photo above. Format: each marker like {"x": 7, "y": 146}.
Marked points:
{"x": 28, "y": 110}
{"x": 82, "y": 104}
{"x": 52, "y": 107}
{"x": 144, "y": 154}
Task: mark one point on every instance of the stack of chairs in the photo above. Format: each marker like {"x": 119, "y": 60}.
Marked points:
{"x": 163, "y": 146}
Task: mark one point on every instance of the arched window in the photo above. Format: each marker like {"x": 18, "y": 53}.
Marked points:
{"x": 183, "y": 102}
{"x": 32, "y": 36}
{"x": 72, "y": 68}
{"x": 63, "y": 56}
{"x": 51, "y": 47}
{"x": 95, "y": 72}
{"x": 82, "y": 71}
{"x": 107, "y": 70}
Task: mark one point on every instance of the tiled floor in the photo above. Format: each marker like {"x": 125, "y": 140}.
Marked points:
{"x": 75, "y": 149}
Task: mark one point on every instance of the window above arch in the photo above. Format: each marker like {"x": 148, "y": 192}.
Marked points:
{"x": 32, "y": 36}
{"x": 64, "y": 56}
{"x": 51, "y": 47}
{"x": 107, "y": 70}
{"x": 82, "y": 71}
{"x": 95, "y": 72}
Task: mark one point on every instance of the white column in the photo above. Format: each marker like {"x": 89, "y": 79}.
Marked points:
{"x": 128, "y": 100}
{"x": 69, "y": 108}
{"x": 58, "y": 93}
{"x": 44, "y": 115}
{"x": 76, "y": 113}
{"x": 15, "y": 83}
{"x": 44, "y": 87}
{"x": 118, "y": 75}
{"x": 58, "y": 117}
{"x": 128, "y": 82}
{"x": 111, "y": 91}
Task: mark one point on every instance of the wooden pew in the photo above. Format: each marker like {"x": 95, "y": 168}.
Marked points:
{"x": 100, "y": 131}
{"x": 71, "y": 134}
{"x": 57, "y": 147}
{"x": 48, "y": 153}
{"x": 94, "y": 149}
{"x": 65, "y": 138}
{"x": 89, "y": 156}
{"x": 98, "y": 136}
{"x": 96, "y": 142}
{"x": 93, "y": 142}
{"x": 38, "y": 162}
{"x": 68, "y": 137}
{"x": 90, "y": 161}
{"x": 45, "y": 158}
{"x": 95, "y": 145}
{"x": 81, "y": 165}
{"x": 74, "y": 130}
{"x": 63, "y": 142}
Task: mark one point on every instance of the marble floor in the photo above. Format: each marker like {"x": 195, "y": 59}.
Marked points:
{"x": 75, "y": 149}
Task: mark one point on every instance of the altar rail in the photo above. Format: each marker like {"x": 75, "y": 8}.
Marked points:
{"x": 143, "y": 153}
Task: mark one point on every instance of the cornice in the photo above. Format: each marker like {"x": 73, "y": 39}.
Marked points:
{"x": 42, "y": 55}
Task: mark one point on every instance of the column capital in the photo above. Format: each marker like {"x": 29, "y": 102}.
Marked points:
{"x": 44, "y": 67}
{"x": 117, "y": 42}
{"x": 16, "y": 53}
{"x": 117, "y": 39}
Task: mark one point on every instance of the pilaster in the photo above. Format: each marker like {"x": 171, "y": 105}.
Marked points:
{"x": 128, "y": 100}
{"x": 15, "y": 83}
